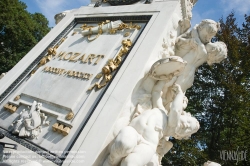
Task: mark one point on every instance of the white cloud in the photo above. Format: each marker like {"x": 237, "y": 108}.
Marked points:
{"x": 198, "y": 17}
{"x": 239, "y": 6}
{"x": 50, "y": 8}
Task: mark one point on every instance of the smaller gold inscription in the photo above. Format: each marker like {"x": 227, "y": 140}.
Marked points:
{"x": 51, "y": 53}
{"x": 69, "y": 73}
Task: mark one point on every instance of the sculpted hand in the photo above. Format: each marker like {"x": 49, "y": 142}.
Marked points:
{"x": 176, "y": 88}
{"x": 171, "y": 82}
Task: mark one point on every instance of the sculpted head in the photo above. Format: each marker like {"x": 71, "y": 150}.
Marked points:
{"x": 188, "y": 126}
{"x": 207, "y": 29}
{"x": 216, "y": 52}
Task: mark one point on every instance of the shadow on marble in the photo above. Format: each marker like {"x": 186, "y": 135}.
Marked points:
{"x": 53, "y": 137}
{"x": 4, "y": 114}
{"x": 78, "y": 41}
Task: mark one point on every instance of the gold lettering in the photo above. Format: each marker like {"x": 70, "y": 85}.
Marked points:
{"x": 90, "y": 76}
{"x": 82, "y": 58}
{"x": 51, "y": 69}
{"x": 98, "y": 59}
{"x": 70, "y": 72}
{"x": 72, "y": 58}
{"x": 46, "y": 68}
{"x": 80, "y": 74}
{"x": 61, "y": 54}
{"x": 54, "y": 70}
{"x": 76, "y": 73}
{"x": 69, "y": 53}
{"x": 90, "y": 58}
{"x": 58, "y": 70}
{"x": 61, "y": 71}
{"x": 84, "y": 75}
{"x": 87, "y": 76}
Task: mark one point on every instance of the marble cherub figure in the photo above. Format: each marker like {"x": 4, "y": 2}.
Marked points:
{"x": 201, "y": 33}
{"x": 161, "y": 96}
{"x": 196, "y": 53}
{"x": 29, "y": 123}
{"x": 195, "y": 48}
{"x": 137, "y": 143}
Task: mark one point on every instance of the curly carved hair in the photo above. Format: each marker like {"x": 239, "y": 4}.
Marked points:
{"x": 221, "y": 53}
{"x": 210, "y": 25}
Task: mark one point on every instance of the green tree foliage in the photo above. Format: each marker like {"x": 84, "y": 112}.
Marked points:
{"x": 19, "y": 32}
{"x": 219, "y": 99}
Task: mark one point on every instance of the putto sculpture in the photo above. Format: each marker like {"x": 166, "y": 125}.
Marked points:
{"x": 159, "y": 111}
{"x": 29, "y": 123}
{"x": 137, "y": 143}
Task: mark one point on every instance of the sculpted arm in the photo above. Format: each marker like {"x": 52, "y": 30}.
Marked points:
{"x": 158, "y": 90}
{"x": 195, "y": 35}
{"x": 176, "y": 107}
{"x": 156, "y": 95}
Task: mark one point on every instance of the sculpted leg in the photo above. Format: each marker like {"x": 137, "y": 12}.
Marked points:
{"x": 140, "y": 156}
{"x": 123, "y": 145}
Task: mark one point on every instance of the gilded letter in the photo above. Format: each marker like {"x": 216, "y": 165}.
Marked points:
{"x": 58, "y": 70}
{"x": 72, "y": 58}
{"x": 90, "y": 58}
{"x": 70, "y": 73}
{"x": 61, "y": 54}
{"x": 51, "y": 69}
{"x": 98, "y": 59}
{"x": 82, "y": 58}
{"x": 84, "y": 75}
{"x": 61, "y": 71}
{"x": 69, "y": 53}
{"x": 80, "y": 74}
{"x": 46, "y": 68}
{"x": 54, "y": 70}
{"x": 88, "y": 76}
{"x": 76, "y": 73}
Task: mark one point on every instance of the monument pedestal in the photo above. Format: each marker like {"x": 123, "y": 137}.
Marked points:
{"x": 77, "y": 113}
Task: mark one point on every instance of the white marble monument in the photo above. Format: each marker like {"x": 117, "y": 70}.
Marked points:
{"x": 106, "y": 86}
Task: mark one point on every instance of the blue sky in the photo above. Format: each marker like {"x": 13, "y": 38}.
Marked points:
{"x": 204, "y": 9}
